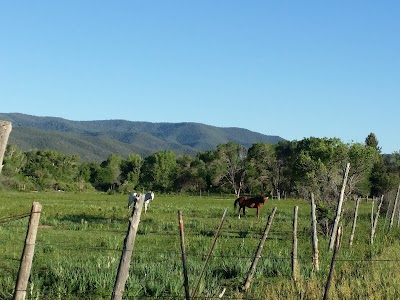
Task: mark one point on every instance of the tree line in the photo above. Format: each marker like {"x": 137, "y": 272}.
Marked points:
{"x": 293, "y": 168}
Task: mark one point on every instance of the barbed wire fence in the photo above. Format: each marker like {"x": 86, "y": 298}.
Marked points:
{"x": 13, "y": 218}
{"x": 10, "y": 219}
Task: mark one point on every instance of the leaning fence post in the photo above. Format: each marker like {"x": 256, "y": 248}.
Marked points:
{"x": 27, "y": 255}
{"x": 354, "y": 222}
{"x": 375, "y": 223}
{"x": 5, "y": 129}
{"x": 339, "y": 207}
{"x": 125, "y": 261}
{"x": 209, "y": 252}
{"x": 398, "y": 217}
{"x": 394, "y": 208}
{"x": 183, "y": 252}
{"x": 294, "y": 247}
{"x": 258, "y": 253}
{"x": 336, "y": 250}
{"x": 372, "y": 214}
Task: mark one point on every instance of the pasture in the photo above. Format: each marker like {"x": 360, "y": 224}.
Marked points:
{"x": 80, "y": 239}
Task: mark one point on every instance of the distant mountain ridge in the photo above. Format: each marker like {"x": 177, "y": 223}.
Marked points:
{"x": 96, "y": 140}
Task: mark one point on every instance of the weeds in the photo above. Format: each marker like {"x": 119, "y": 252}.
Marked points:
{"x": 80, "y": 240}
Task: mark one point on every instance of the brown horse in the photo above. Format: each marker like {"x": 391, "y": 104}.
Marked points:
{"x": 251, "y": 202}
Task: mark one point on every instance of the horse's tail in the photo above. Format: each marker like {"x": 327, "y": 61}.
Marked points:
{"x": 236, "y": 202}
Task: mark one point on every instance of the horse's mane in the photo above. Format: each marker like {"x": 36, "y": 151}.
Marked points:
{"x": 262, "y": 198}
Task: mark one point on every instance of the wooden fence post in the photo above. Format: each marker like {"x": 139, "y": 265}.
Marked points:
{"x": 314, "y": 233}
{"x": 27, "y": 255}
{"x": 373, "y": 228}
{"x": 339, "y": 207}
{"x": 354, "y": 222}
{"x": 294, "y": 247}
{"x": 183, "y": 252}
{"x": 258, "y": 253}
{"x": 394, "y": 208}
{"x": 5, "y": 129}
{"x": 372, "y": 213}
{"x": 336, "y": 250}
{"x": 129, "y": 242}
{"x": 398, "y": 217}
{"x": 209, "y": 252}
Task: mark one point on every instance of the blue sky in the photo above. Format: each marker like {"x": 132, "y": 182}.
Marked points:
{"x": 295, "y": 69}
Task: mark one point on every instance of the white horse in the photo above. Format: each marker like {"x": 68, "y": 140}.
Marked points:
{"x": 134, "y": 197}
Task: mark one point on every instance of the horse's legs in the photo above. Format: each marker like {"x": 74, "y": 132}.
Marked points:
{"x": 241, "y": 208}
{"x": 145, "y": 207}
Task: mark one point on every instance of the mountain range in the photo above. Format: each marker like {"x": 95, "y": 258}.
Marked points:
{"x": 96, "y": 140}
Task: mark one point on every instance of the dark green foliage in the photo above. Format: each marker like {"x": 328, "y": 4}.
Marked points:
{"x": 372, "y": 141}
{"x": 191, "y": 174}
{"x": 289, "y": 168}
{"x": 381, "y": 180}
{"x": 392, "y": 161}
{"x": 159, "y": 171}
{"x": 325, "y": 217}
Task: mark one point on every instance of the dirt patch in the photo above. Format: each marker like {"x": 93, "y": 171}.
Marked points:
{"x": 44, "y": 226}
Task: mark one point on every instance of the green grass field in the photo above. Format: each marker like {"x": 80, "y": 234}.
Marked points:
{"x": 80, "y": 240}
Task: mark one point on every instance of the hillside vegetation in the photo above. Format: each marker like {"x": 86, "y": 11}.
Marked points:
{"x": 96, "y": 140}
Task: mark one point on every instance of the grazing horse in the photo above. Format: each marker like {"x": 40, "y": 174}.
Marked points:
{"x": 134, "y": 197}
{"x": 251, "y": 202}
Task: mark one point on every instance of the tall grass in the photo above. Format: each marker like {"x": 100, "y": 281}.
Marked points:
{"x": 80, "y": 240}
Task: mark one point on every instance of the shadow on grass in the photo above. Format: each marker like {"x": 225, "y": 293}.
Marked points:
{"x": 92, "y": 219}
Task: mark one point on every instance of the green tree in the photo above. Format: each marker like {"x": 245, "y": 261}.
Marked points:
{"x": 392, "y": 162}
{"x": 319, "y": 167}
{"x": 90, "y": 171}
{"x": 362, "y": 159}
{"x": 84, "y": 175}
{"x": 191, "y": 175}
{"x": 229, "y": 167}
{"x": 381, "y": 180}
{"x": 51, "y": 169}
{"x": 286, "y": 154}
{"x": 262, "y": 168}
{"x": 85, "y": 172}
{"x": 207, "y": 158}
{"x": 14, "y": 161}
{"x": 159, "y": 171}
{"x": 12, "y": 175}
{"x": 130, "y": 170}
{"x": 372, "y": 141}
{"x": 110, "y": 173}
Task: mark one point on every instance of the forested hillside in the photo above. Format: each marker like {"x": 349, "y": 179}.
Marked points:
{"x": 96, "y": 140}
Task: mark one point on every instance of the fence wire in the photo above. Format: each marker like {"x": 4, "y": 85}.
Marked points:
{"x": 246, "y": 232}
{"x": 203, "y": 256}
{"x": 13, "y": 218}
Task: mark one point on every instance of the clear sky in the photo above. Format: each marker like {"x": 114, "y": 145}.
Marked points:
{"x": 295, "y": 69}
